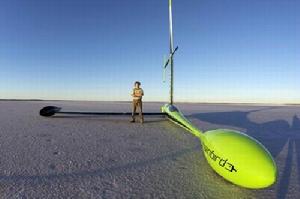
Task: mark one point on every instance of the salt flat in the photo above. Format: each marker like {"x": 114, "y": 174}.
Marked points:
{"x": 108, "y": 157}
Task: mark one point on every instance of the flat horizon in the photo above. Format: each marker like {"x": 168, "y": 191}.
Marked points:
{"x": 128, "y": 101}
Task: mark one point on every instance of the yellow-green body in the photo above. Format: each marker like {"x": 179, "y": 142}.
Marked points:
{"x": 235, "y": 156}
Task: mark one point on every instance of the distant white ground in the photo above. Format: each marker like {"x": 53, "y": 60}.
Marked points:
{"x": 108, "y": 157}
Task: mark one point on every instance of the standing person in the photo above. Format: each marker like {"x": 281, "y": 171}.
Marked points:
{"x": 137, "y": 95}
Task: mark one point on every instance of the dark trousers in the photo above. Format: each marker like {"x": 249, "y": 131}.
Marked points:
{"x": 137, "y": 104}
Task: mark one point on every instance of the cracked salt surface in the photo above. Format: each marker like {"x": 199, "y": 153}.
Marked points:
{"x": 107, "y": 157}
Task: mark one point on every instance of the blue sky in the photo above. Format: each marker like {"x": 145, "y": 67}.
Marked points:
{"x": 229, "y": 51}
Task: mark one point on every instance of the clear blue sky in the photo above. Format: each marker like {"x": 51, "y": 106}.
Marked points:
{"x": 229, "y": 50}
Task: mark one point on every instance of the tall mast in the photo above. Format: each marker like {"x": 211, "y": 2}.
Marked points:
{"x": 171, "y": 51}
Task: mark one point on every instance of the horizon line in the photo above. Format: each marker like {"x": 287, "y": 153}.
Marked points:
{"x": 127, "y": 101}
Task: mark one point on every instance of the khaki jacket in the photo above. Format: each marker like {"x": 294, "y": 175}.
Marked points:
{"x": 137, "y": 93}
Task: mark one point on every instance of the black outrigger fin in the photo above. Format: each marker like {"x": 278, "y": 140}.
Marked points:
{"x": 49, "y": 111}
{"x": 52, "y": 110}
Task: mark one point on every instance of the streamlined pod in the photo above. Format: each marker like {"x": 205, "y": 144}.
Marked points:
{"x": 235, "y": 156}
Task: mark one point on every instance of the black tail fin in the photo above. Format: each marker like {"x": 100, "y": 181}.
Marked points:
{"x": 49, "y": 111}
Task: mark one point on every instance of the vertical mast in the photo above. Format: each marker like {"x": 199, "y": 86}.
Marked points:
{"x": 171, "y": 51}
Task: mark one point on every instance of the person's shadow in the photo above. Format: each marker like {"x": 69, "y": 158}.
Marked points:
{"x": 273, "y": 135}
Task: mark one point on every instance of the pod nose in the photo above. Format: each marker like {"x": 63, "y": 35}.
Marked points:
{"x": 267, "y": 178}
{"x": 264, "y": 176}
